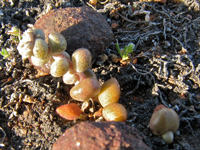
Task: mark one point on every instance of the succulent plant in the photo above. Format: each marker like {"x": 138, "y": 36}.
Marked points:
{"x": 86, "y": 74}
{"x": 81, "y": 59}
{"x": 85, "y": 89}
{"x": 114, "y": 112}
{"x": 26, "y": 44}
{"x": 168, "y": 137}
{"x": 110, "y": 92}
{"x": 33, "y": 44}
{"x": 53, "y": 59}
{"x": 57, "y": 43}
{"x": 127, "y": 49}
{"x": 28, "y": 36}
{"x": 89, "y": 74}
{"x": 69, "y": 111}
{"x": 70, "y": 77}
{"x": 39, "y": 61}
{"x": 164, "y": 120}
{"x": 38, "y": 33}
{"x": 59, "y": 67}
{"x": 40, "y": 48}
{"x": 62, "y": 55}
{"x": 27, "y": 51}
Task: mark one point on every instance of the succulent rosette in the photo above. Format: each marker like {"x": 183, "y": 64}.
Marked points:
{"x": 52, "y": 58}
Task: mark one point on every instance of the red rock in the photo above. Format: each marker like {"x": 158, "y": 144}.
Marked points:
{"x": 81, "y": 26}
{"x": 99, "y": 136}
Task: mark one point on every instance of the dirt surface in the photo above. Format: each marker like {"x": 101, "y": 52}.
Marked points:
{"x": 164, "y": 69}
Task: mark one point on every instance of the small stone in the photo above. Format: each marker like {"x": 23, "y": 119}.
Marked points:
{"x": 114, "y": 26}
{"x": 101, "y": 135}
{"x": 81, "y": 27}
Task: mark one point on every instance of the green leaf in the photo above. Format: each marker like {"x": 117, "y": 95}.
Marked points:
{"x": 14, "y": 31}
{"x": 130, "y": 47}
{"x": 5, "y": 53}
{"x": 125, "y": 53}
{"x": 118, "y": 49}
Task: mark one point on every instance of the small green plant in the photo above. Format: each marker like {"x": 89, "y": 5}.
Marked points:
{"x": 17, "y": 37}
{"x": 16, "y": 32}
{"x": 5, "y": 53}
{"x": 127, "y": 49}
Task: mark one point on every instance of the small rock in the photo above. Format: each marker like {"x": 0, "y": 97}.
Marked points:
{"x": 101, "y": 135}
{"x": 114, "y": 26}
{"x": 81, "y": 27}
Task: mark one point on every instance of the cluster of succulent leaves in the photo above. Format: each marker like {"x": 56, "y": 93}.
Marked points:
{"x": 74, "y": 70}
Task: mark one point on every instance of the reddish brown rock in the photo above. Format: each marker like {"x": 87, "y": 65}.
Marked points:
{"x": 81, "y": 26}
{"x": 99, "y": 136}
{"x": 114, "y": 26}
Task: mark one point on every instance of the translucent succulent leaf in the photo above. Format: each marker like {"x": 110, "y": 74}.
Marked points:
{"x": 39, "y": 61}
{"x": 81, "y": 59}
{"x": 85, "y": 89}
{"x": 57, "y": 43}
{"x": 70, "y": 77}
{"x": 38, "y": 33}
{"x": 114, "y": 112}
{"x": 59, "y": 67}
{"x": 40, "y": 48}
